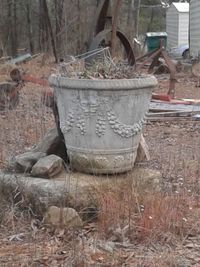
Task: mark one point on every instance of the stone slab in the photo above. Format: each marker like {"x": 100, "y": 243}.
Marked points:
{"x": 75, "y": 190}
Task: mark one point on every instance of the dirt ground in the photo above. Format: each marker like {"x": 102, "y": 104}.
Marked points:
{"x": 175, "y": 152}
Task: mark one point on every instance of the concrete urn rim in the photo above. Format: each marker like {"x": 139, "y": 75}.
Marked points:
{"x": 144, "y": 81}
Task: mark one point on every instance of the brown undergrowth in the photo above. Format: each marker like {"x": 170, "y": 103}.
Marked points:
{"x": 127, "y": 215}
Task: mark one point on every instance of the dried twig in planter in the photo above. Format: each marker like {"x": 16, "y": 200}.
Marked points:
{"x": 103, "y": 68}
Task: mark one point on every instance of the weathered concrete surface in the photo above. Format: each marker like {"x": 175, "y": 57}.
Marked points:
{"x": 48, "y": 167}
{"x": 75, "y": 189}
{"x": 108, "y": 130}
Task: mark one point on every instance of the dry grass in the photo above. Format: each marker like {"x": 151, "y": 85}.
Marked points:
{"x": 116, "y": 210}
{"x": 22, "y": 127}
{"x": 126, "y": 214}
{"x": 163, "y": 215}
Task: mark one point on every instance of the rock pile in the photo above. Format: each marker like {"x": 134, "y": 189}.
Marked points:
{"x": 46, "y": 160}
{"x": 49, "y": 157}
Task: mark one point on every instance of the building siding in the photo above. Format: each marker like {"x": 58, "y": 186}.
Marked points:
{"x": 177, "y": 27}
{"x": 195, "y": 28}
{"x": 183, "y": 29}
{"x": 172, "y": 19}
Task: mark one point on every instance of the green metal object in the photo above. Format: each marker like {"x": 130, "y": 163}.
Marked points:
{"x": 154, "y": 39}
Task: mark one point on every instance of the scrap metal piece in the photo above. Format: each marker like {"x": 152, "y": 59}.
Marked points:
{"x": 196, "y": 71}
{"x": 9, "y": 95}
{"x": 154, "y": 56}
{"x": 128, "y": 48}
{"x": 149, "y": 56}
{"x": 99, "y": 31}
{"x": 196, "y": 68}
{"x": 172, "y": 70}
{"x": 47, "y": 97}
{"x": 15, "y": 75}
{"x": 21, "y": 59}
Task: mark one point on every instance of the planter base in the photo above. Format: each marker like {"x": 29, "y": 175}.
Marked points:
{"x": 102, "y": 162}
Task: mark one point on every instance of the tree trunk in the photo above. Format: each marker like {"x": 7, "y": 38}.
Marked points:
{"x": 151, "y": 20}
{"x": 59, "y": 6}
{"x": 29, "y": 25}
{"x": 114, "y": 27}
{"x": 15, "y": 25}
{"x": 46, "y": 12}
{"x": 12, "y": 14}
{"x": 43, "y": 29}
{"x": 133, "y": 22}
{"x": 129, "y": 27}
{"x": 79, "y": 37}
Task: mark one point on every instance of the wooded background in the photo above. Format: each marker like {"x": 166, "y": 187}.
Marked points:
{"x": 65, "y": 25}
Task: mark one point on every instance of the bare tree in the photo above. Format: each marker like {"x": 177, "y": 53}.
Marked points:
{"x": 64, "y": 25}
{"x": 29, "y": 25}
{"x": 12, "y": 18}
{"x": 49, "y": 27}
{"x": 114, "y": 26}
{"x": 59, "y": 24}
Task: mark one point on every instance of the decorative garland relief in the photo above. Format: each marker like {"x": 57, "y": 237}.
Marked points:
{"x": 104, "y": 113}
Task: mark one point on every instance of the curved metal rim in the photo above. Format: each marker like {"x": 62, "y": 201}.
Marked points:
{"x": 125, "y": 42}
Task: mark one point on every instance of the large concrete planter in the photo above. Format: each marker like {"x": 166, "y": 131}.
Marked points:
{"x": 102, "y": 120}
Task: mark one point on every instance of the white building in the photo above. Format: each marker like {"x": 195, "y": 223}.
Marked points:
{"x": 177, "y": 24}
{"x": 195, "y": 28}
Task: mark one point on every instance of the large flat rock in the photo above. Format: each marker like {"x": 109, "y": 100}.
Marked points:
{"x": 74, "y": 189}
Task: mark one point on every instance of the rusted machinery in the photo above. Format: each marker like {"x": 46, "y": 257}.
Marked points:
{"x": 20, "y": 78}
{"x": 9, "y": 95}
{"x": 154, "y": 57}
{"x": 102, "y": 34}
{"x": 103, "y": 37}
{"x": 105, "y": 29}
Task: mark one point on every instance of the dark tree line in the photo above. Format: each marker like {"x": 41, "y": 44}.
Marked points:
{"x": 64, "y": 26}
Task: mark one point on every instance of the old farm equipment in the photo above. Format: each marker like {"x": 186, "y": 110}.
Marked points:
{"x": 105, "y": 30}
{"x": 9, "y": 95}
{"x": 104, "y": 33}
{"x": 153, "y": 58}
{"x": 103, "y": 36}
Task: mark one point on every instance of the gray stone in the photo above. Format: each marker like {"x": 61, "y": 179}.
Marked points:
{"x": 106, "y": 245}
{"x": 52, "y": 143}
{"x": 25, "y": 162}
{"x": 48, "y": 167}
{"x": 48, "y": 142}
{"x": 77, "y": 190}
{"x": 64, "y": 217}
{"x": 142, "y": 151}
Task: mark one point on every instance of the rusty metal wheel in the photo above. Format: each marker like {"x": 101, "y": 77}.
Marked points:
{"x": 100, "y": 41}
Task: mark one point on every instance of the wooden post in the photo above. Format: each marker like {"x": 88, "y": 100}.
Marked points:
{"x": 50, "y": 30}
{"x": 114, "y": 27}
